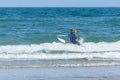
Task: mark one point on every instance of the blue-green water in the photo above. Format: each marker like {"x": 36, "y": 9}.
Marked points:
{"x": 41, "y": 25}
{"x": 31, "y": 34}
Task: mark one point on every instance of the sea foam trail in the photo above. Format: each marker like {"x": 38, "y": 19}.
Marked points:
{"x": 61, "y": 51}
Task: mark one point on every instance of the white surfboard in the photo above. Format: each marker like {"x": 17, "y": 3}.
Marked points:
{"x": 61, "y": 40}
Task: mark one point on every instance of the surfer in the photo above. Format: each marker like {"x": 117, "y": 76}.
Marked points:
{"x": 72, "y": 37}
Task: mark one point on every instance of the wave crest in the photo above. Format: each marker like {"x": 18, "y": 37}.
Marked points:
{"x": 61, "y": 51}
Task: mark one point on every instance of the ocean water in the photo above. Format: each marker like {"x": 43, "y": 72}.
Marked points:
{"x": 28, "y": 37}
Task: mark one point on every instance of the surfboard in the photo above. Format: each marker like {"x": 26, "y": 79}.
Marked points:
{"x": 64, "y": 42}
{"x": 61, "y": 40}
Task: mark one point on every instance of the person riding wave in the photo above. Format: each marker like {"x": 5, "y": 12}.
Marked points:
{"x": 72, "y": 37}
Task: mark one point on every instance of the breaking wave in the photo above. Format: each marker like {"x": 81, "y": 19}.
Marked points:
{"x": 56, "y": 50}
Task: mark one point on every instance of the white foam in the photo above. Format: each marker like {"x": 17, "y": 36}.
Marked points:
{"x": 43, "y": 51}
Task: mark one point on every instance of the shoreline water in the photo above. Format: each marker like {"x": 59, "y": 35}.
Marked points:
{"x": 52, "y": 66}
{"x": 79, "y": 73}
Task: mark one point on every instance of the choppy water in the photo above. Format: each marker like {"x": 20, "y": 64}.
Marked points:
{"x": 28, "y": 36}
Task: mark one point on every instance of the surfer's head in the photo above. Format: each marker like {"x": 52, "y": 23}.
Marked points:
{"x": 73, "y": 31}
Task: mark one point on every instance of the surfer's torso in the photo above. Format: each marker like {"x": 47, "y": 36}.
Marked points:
{"x": 72, "y": 38}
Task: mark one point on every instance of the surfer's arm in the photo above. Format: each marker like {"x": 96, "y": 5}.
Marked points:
{"x": 68, "y": 41}
{"x": 77, "y": 40}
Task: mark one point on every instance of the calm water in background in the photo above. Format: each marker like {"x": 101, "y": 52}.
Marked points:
{"x": 28, "y": 36}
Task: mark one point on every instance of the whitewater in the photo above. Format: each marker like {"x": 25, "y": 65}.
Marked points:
{"x": 58, "y": 50}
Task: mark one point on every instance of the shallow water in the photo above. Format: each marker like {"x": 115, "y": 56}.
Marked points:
{"x": 86, "y": 73}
